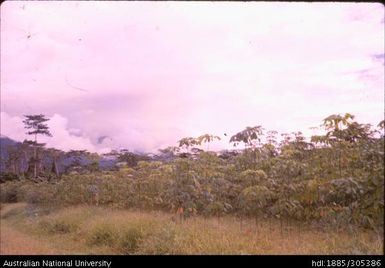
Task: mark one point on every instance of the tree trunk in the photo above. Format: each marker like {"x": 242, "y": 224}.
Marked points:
{"x": 35, "y": 158}
{"x": 14, "y": 168}
{"x": 30, "y": 168}
{"x": 25, "y": 161}
{"x": 339, "y": 162}
{"x": 55, "y": 168}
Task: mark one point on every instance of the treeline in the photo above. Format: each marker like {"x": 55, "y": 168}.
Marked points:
{"x": 33, "y": 161}
{"x": 335, "y": 179}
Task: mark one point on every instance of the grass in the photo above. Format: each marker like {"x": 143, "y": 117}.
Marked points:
{"x": 92, "y": 230}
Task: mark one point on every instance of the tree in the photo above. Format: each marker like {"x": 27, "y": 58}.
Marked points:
{"x": 381, "y": 125}
{"x": 56, "y": 156}
{"x": 77, "y": 157}
{"x": 207, "y": 138}
{"x": 170, "y": 151}
{"x": 130, "y": 158}
{"x": 334, "y": 123}
{"x": 337, "y": 127}
{"x": 251, "y": 137}
{"x": 37, "y": 127}
{"x": 252, "y": 177}
{"x": 187, "y": 142}
{"x": 254, "y": 200}
{"x": 94, "y": 159}
{"x": 13, "y": 163}
{"x": 248, "y": 136}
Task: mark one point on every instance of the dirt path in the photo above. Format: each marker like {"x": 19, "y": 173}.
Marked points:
{"x": 14, "y": 242}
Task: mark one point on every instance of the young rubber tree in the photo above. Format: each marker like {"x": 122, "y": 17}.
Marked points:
{"x": 186, "y": 143}
{"x": 336, "y": 127}
{"x": 207, "y": 138}
{"x": 250, "y": 137}
{"x": 253, "y": 201}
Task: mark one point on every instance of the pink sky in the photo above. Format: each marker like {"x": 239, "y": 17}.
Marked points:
{"x": 146, "y": 74}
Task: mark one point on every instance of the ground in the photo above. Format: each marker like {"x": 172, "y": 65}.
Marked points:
{"x": 94, "y": 230}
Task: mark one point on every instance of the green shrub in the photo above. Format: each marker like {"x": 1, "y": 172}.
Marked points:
{"x": 9, "y": 192}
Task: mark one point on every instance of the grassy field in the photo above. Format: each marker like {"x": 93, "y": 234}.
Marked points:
{"x": 92, "y": 230}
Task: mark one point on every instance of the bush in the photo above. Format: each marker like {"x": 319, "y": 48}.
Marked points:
{"x": 9, "y": 192}
{"x": 102, "y": 235}
{"x": 130, "y": 239}
{"x": 6, "y": 176}
{"x": 42, "y": 193}
{"x": 58, "y": 226}
{"x": 162, "y": 242}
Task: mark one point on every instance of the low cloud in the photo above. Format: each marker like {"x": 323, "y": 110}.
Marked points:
{"x": 12, "y": 126}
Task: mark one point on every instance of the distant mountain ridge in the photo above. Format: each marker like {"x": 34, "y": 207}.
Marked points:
{"x": 105, "y": 162}
{"x": 6, "y": 143}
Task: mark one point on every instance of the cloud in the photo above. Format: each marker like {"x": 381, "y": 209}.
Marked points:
{"x": 146, "y": 74}
{"x": 62, "y": 138}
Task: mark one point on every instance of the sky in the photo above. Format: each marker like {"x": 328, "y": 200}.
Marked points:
{"x": 142, "y": 75}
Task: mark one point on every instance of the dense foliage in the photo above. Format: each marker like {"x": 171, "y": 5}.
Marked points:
{"x": 333, "y": 180}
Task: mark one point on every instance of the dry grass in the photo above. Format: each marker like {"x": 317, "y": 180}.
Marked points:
{"x": 15, "y": 242}
{"x": 90, "y": 230}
